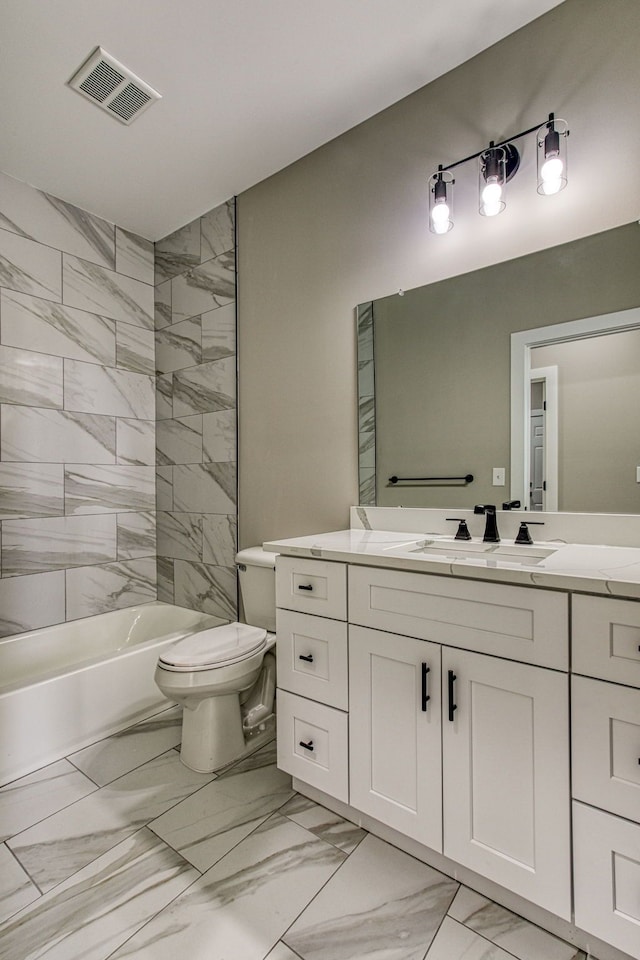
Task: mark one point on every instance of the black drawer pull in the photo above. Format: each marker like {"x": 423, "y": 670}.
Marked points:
{"x": 425, "y": 694}
{"x": 451, "y": 679}
{"x": 307, "y": 746}
{"x": 309, "y": 659}
{"x": 305, "y": 586}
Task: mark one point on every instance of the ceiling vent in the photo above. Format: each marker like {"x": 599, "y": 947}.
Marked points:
{"x": 113, "y": 87}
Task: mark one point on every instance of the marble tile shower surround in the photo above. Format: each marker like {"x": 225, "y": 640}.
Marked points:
{"x": 195, "y": 324}
{"x": 102, "y": 335}
{"x": 120, "y": 852}
{"x": 77, "y": 413}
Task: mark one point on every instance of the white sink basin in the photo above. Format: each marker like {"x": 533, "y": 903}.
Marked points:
{"x": 475, "y": 550}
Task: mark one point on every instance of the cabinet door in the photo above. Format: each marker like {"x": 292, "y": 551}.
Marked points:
{"x": 605, "y": 733}
{"x": 506, "y": 775}
{"x": 395, "y": 732}
{"x": 606, "y": 852}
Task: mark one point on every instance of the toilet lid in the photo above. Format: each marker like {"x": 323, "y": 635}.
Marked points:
{"x": 226, "y": 644}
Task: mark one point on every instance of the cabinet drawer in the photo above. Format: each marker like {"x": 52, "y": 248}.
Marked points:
{"x": 513, "y": 622}
{"x": 606, "y": 855}
{"x": 606, "y": 639}
{"x": 323, "y": 761}
{"x": 312, "y": 586}
{"x": 312, "y": 657}
{"x": 606, "y": 745}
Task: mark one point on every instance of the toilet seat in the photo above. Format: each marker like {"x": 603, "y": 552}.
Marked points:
{"x": 216, "y": 647}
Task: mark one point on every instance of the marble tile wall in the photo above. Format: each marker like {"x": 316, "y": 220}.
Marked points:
{"x": 195, "y": 320}
{"x": 366, "y": 406}
{"x": 77, "y": 412}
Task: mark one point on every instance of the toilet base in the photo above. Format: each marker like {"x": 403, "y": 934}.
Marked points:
{"x": 212, "y": 735}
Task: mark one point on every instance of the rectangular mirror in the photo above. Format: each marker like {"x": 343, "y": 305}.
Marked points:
{"x": 435, "y": 386}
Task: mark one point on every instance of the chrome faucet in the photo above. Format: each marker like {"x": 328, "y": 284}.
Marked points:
{"x": 491, "y": 534}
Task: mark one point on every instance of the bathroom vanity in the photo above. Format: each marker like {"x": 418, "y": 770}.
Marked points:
{"x": 478, "y": 704}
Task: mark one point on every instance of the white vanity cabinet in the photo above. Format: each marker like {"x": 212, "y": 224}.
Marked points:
{"x": 606, "y": 769}
{"x": 466, "y": 752}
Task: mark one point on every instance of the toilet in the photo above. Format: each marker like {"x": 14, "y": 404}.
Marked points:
{"x": 225, "y": 676}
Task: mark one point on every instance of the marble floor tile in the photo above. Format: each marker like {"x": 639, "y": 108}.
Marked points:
{"x": 241, "y": 907}
{"x": 513, "y": 933}
{"x": 30, "y": 799}
{"x": 93, "y": 912}
{"x": 381, "y": 900}
{"x": 264, "y": 757}
{"x": 16, "y": 889}
{"x": 324, "y": 823}
{"x": 456, "y": 942}
{"x": 109, "y": 759}
{"x": 281, "y": 952}
{"x": 66, "y": 842}
{"x": 205, "y": 827}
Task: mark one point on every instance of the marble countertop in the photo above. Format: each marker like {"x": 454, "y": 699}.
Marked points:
{"x": 588, "y": 568}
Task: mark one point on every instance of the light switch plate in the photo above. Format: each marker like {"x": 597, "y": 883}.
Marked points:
{"x": 499, "y": 476}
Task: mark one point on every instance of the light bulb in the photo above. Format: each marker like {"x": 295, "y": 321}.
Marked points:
{"x": 491, "y": 194}
{"x": 440, "y": 213}
{"x": 551, "y": 175}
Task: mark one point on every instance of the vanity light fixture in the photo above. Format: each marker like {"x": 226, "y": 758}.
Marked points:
{"x": 497, "y": 164}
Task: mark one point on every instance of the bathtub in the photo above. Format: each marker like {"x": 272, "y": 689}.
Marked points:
{"x": 66, "y": 686}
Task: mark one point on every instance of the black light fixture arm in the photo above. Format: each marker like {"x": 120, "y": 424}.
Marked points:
{"x": 502, "y": 143}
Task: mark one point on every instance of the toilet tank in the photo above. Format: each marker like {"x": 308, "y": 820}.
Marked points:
{"x": 257, "y": 576}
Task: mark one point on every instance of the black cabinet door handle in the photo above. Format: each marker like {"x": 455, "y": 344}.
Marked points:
{"x": 307, "y": 746}
{"x": 425, "y": 694}
{"x": 305, "y": 586}
{"x": 303, "y": 656}
{"x": 451, "y": 679}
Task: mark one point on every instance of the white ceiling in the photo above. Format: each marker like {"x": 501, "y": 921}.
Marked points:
{"x": 248, "y": 87}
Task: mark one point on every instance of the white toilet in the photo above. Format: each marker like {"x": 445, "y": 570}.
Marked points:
{"x": 225, "y": 677}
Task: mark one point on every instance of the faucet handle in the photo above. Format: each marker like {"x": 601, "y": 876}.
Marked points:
{"x": 524, "y": 534}
{"x": 511, "y": 505}
{"x": 484, "y": 508}
{"x": 463, "y": 529}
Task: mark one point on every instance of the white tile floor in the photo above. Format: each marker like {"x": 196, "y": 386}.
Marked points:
{"x": 120, "y": 851}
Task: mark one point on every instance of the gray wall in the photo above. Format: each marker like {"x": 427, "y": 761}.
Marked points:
{"x": 348, "y": 224}
{"x": 196, "y": 410}
{"x": 77, "y": 451}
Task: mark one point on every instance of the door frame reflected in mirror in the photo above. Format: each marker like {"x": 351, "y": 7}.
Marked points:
{"x": 522, "y": 344}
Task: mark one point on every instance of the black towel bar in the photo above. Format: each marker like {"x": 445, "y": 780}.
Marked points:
{"x": 468, "y": 478}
